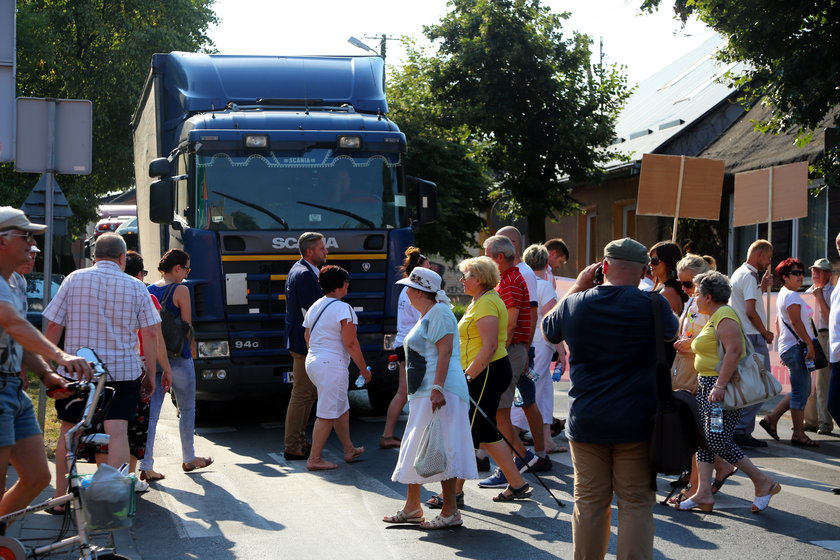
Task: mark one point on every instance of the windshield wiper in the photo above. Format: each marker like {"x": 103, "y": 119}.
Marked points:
{"x": 268, "y": 213}
{"x": 365, "y": 221}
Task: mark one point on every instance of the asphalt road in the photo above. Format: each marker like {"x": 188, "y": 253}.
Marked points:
{"x": 252, "y": 504}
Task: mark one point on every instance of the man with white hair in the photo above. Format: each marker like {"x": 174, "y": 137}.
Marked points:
{"x": 817, "y": 418}
{"x": 101, "y": 307}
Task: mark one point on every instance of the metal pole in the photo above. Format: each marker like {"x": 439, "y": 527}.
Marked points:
{"x": 48, "y": 239}
{"x": 679, "y": 199}
{"x": 769, "y": 238}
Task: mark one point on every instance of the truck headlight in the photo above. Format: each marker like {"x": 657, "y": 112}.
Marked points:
{"x": 256, "y": 141}
{"x": 349, "y": 142}
{"x": 213, "y": 349}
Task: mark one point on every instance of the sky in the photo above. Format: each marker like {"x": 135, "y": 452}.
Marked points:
{"x": 643, "y": 43}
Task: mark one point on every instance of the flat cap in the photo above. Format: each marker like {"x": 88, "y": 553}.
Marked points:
{"x": 627, "y": 250}
{"x": 12, "y": 218}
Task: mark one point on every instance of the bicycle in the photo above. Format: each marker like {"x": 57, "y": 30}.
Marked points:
{"x": 14, "y": 549}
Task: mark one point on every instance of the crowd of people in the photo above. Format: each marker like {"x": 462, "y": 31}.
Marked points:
{"x": 484, "y": 378}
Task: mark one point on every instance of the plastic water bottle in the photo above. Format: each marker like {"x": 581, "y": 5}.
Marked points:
{"x": 360, "y": 381}
{"x": 517, "y": 398}
{"x": 557, "y": 374}
{"x": 809, "y": 364}
{"x": 716, "y": 419}
{"x": 532, "y": 374}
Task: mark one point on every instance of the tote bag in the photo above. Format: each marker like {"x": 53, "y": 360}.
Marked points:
{"x": 431, "y": 455}
{"x": 751, "y": 383}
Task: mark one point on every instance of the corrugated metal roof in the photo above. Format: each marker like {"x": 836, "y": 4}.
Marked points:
{"x": 672, "y": 100}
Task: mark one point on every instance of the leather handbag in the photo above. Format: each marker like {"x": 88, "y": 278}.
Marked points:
{"x": 751, "y": 383}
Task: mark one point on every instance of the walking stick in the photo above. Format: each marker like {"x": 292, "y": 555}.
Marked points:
{"x": 521, "y": 458}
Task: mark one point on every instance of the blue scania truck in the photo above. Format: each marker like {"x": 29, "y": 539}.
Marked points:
{"x": 235, "y": 157}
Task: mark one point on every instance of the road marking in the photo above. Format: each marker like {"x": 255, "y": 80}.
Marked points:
{"x": 829, "y": 545}
{"x": 215, "y": 430}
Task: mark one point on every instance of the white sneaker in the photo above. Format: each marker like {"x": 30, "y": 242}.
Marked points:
{"x": 141, "y": 486}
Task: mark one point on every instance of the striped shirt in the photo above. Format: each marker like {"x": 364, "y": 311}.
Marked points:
{"x": 514, "y": 293}
{"x": 102, "y": 307}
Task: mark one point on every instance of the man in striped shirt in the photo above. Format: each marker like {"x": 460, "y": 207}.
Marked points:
{"x": 514, "y": 293}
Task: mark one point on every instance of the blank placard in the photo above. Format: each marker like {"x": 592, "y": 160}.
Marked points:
{"x": 659, "y": 185}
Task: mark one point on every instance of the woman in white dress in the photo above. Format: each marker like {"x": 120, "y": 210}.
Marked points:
{"x": 436, "y": 385}
{"x": 331, "y": 337}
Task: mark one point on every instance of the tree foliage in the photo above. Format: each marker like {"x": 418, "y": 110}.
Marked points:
{"x": 442, "y": 153}
{"x": 98, "y": 50}
{"x": 790, "y": 48}
{"x": 527, "y": 92}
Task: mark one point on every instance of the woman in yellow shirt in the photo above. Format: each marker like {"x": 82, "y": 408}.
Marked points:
{"x": 482, "y": 332}
{"x": 724, "y": 327}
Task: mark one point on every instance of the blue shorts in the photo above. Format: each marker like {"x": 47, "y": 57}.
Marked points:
{"x": 800, "y": 377}
{"x": 17, "y": 417}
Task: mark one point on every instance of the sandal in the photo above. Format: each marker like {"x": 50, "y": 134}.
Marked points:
{"x": 197, "y": 463}
{"x": 440, "y": 522}
{"x": 807, "y": 442}
{"x": 353, "y": 455}
{"x": 520, "y": 493}
{"x": 772, "y": 431}
{"x": 763, "y": 502}
{"x": 680, "y": 497}
{"x": 390, "y": 442}
{"x": 717, "y": 483}
{"x": 690, "y": 505}
{"x": 151, "y": 476}
{"x": 401, "y": 516}
{"x": 436, "y": 501}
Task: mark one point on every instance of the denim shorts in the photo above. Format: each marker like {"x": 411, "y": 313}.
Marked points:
{"x": 800, "y": 377}
{"x": 17, "y": 417}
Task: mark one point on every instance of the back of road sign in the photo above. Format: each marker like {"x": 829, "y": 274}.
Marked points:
{"x": 71, "y": 131}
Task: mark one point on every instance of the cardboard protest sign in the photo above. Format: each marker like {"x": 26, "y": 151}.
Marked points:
{"x": 679, "y": 186}
{"x": 785, "y": 187}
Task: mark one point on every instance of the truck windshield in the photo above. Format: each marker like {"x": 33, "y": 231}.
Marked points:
{"x": 312, "y": 190}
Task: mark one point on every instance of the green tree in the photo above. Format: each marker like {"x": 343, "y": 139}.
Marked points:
{"x": 506, "y": 71}
{"x": 791, "y": 51}
{"x": 98, "y": 50}
{"x": 440, "y": 153}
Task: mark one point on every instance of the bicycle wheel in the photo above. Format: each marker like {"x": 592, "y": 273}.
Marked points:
{"x": 11, "y": 549}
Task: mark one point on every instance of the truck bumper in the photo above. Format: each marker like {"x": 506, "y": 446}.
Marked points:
{"x": 241, "y": 381}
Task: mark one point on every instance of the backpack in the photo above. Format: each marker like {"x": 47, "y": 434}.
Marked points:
{"x": 677, "y": 429}
{"x": 175, "y": 331}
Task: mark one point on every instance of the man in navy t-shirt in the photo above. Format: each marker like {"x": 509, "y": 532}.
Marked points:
{"x": 612, "y": 399}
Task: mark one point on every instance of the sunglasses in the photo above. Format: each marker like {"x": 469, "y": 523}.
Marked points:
{"x": 654, "y": 261}
{"x": 465, "y": 276}
{"x": 28, "y": 235}
{"x": 688, "y": 284}
{"x": 797, "y": 273}
{"x": 145, "y": 273}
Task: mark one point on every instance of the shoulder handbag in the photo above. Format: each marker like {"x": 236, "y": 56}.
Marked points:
{"x": 431, "y": 453}
{"x": 751, "y": 383}
{"x": 677, "y": 430}
{"x": 174, "y": 330}
{"x": 820, "y": 359}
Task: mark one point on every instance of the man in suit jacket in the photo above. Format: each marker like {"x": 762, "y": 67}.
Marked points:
{"x": 302, "y": 290}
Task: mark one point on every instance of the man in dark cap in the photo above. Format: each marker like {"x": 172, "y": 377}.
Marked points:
{"x": 609, "y": 329}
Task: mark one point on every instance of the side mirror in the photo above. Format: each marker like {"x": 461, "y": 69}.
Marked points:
{"x": 162, "y": 201}
{"x": 159, "y": 167}
{"x": 426, "y": 200}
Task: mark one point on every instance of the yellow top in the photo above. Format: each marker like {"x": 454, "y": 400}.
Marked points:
{"x": 705, "y": 344}
{"x": 489, "y": 304}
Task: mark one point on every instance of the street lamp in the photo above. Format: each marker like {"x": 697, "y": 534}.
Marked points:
{"x": 360, "y": 45}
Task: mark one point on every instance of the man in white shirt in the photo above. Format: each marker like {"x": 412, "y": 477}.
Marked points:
{"x": 817, "y": 418}
{"x": 748, "y": 283}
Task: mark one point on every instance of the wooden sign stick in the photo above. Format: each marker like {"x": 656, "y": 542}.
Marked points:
{"x": 769, "y": 236}
{"x": 679, "y": 199}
